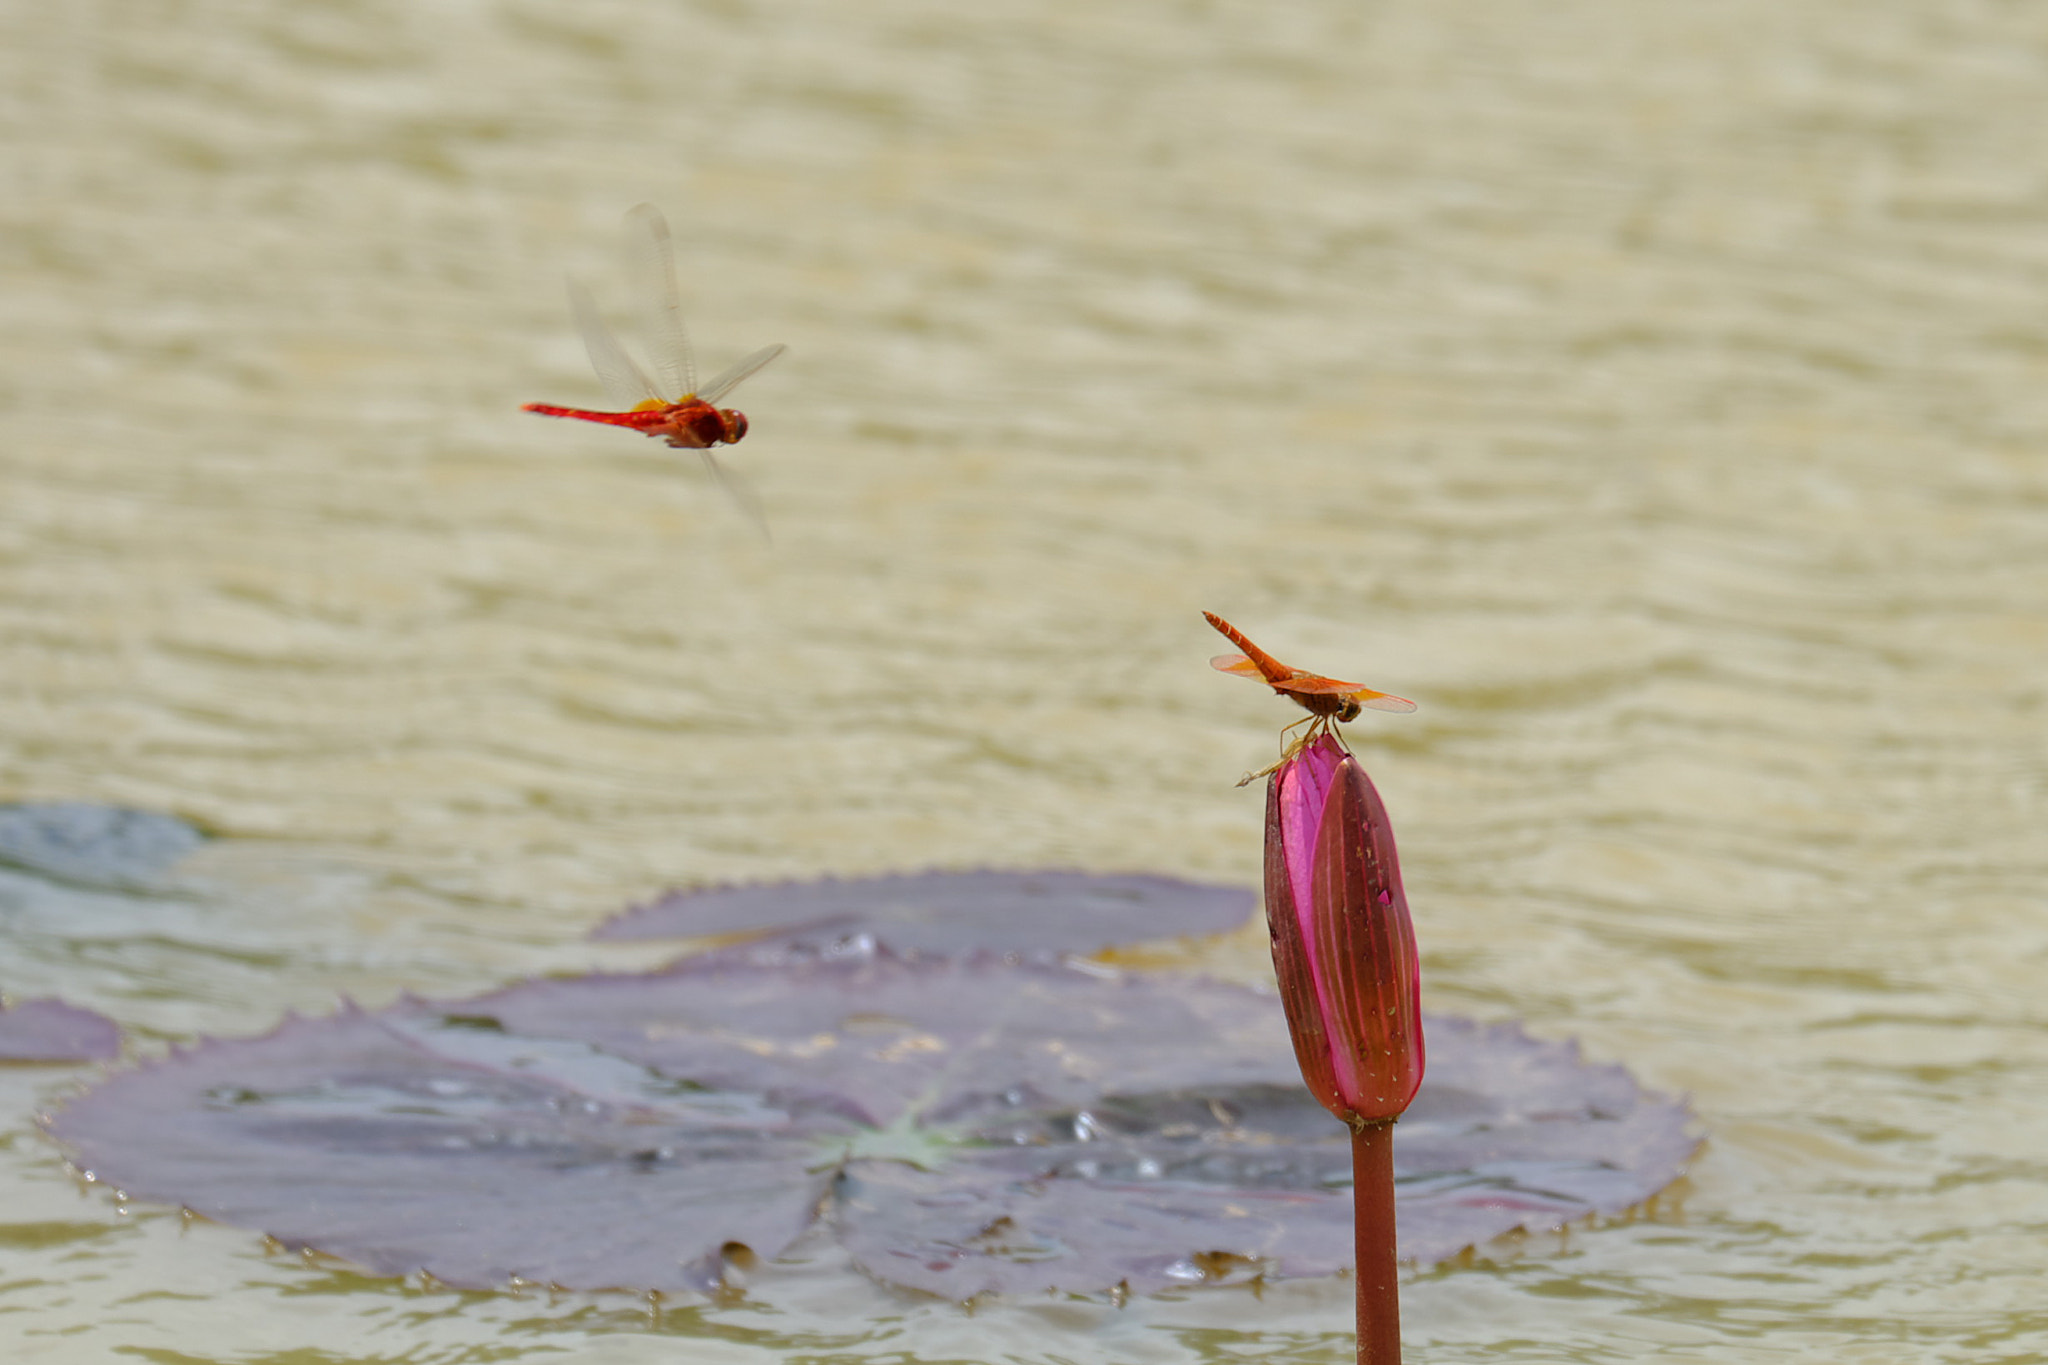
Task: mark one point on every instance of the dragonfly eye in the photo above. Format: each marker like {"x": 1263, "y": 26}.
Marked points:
{"x": 1350, "y": 711}
{"x": 735, "y": 424}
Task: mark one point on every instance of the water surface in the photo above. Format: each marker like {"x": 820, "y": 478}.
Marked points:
{"x": 1657, "y": 394}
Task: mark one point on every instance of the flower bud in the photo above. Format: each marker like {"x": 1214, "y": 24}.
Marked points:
{"x": 1343, "y": 945}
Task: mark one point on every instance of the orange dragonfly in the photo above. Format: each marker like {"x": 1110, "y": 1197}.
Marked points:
{"x": 1325, "y": 699}
{"x": 690, "y": 419}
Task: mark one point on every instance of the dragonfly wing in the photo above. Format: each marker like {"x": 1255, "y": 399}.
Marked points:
{"x": 1238, "y": 664}
{"x": 740, "y": 491}
{"x": 1319, "y": 686}
{"x": 625, "y": 382}
{"x": 651, "y": 271}
{"x": 730, "y": 379}
{"x": 1310, "y": 685}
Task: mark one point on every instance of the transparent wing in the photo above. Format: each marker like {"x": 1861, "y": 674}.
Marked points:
{"x": 730, "y": 379}
{"x": 625, "y": 382}
{"x": 651, "y": 271}
{"x": 1238, "y": 664}
{"x": 1380, "y": 701}
{"x": 740, "y": 491}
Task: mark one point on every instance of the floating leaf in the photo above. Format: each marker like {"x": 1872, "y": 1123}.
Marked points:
{"x": 52, "y": 1031}
{"x": 96, "y": 845}
{"x": 950, "y": 912}
{"x": 965, "y": 1126}
{"x": 1217, "y": 1182}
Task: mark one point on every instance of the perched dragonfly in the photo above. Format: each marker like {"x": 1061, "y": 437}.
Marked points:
{"x": 1325, "y": 699}
{"x": 677, "y": 409}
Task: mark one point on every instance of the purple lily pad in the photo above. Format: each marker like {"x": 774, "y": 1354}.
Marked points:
{"x": 1507, "y": 1133}
{"x": 52, "y": 1031}
{"x": 949, "y": 912}
{"x": 964, "y": 1126}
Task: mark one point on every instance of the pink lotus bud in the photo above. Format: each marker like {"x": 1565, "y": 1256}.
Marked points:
{"x": 1343, "y": 945}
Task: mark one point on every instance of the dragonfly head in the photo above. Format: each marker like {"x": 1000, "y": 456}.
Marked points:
{"x": 735, "y": 423}
{"x": 1349, "y": 711}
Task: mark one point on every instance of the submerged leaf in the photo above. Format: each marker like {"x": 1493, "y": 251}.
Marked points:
{"x": 966, "y": 1126}
{"x": 949, "y": 912}
{"x": 94, "y": 845}
{"x": 52, "y": 1031}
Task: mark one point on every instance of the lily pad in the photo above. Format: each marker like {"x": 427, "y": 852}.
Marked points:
{"x": 52, "y": 1031}
{"x": 94, "y": 845}
{"x": 949, "y": 912}
{"x": 964, "y": 1126}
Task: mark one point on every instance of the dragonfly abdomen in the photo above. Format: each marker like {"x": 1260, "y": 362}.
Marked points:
{"x": 639, "y": 421}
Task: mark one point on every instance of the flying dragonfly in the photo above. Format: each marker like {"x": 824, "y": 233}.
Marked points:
{"x": 676, "y": 409}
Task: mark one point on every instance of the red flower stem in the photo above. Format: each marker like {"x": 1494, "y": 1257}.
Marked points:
{"x": 1379, "y": 1291}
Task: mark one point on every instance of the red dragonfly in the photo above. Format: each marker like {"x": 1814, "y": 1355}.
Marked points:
{"x": 687, "y": 416}
{"x": 1325, "y": 699}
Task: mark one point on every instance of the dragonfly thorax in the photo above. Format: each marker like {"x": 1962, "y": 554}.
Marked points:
{"x": 1333, "y": 705}
{"x": 695, "y": 425}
